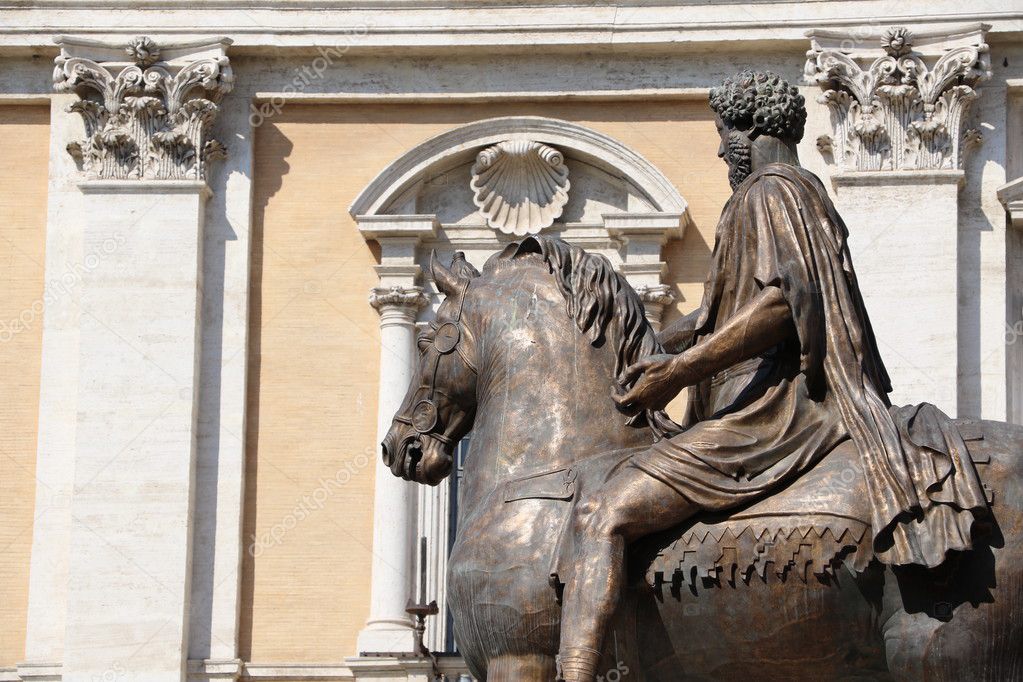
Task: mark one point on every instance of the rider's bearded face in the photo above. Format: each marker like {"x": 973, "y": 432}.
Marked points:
{"x": 736, "y": 150}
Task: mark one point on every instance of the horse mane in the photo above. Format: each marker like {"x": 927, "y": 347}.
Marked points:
{"x": 604, "y": 306}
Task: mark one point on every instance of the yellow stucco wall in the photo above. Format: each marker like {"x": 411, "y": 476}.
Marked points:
{"x": 313, "y": 356}
{"x": 24, "y": 152}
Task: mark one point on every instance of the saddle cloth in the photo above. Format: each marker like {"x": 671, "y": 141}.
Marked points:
{"x": 810, "y": 528}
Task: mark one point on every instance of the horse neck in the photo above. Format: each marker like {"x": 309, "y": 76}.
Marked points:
{"x": 544, "y": 396}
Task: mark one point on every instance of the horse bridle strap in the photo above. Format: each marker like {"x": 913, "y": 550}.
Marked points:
{"x": 446, "y": 339}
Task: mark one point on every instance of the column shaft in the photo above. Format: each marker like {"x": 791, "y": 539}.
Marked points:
{"x": 388, "y": 628}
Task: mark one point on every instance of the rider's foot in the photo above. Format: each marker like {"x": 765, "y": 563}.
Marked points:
{"x": 579, "y": 664}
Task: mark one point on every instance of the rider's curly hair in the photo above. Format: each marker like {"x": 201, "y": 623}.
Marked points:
{"x": 761, "y": 100}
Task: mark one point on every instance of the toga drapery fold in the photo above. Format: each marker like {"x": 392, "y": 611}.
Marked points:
{"x": 781, "y": 229}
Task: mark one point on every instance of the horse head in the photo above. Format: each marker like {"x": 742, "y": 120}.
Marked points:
{"x": 439, "y": 408}
{"x": 555, "y": 326}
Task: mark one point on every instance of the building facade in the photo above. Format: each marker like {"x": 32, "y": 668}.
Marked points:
{"x": 215, "y": 221}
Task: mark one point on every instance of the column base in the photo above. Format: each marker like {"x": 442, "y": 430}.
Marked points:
{"x": 398, "y": 669}
{"x": 386, "y": 638}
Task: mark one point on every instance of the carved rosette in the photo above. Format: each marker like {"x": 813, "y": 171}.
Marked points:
{"x": 520, "y": 186}
{"x": 898, "y": 113}
{"x": 406, "y": 299}
{"x": 149, "y": 120}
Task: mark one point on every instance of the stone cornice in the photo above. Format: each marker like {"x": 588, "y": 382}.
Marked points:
{"x": 147, "y": 108}
{"x": 381, "y": 227}
{"x": 893, "y": 178}
{"x": 662, "y": 226}
{"x": 453, "y": 27}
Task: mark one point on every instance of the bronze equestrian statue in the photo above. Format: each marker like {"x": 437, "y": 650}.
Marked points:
{"x": 794, "y": 526}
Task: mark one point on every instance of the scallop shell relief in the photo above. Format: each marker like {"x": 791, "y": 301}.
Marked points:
{"x": 520, "y": 186}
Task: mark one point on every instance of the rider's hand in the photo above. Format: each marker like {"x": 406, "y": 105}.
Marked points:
{"x": 661, "y": 377}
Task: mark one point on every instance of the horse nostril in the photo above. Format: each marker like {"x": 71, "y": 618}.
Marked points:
{"x": 386, "y": 451}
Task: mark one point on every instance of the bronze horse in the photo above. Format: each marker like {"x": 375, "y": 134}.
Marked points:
{"x": 526, "y": 355}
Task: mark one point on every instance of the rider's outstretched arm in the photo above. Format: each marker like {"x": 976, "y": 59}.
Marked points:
{"x": 678, "y": 336}
{"x": 760, "y": 324}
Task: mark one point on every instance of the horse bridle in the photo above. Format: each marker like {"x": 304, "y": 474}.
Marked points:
{"x": 424, "y": 416}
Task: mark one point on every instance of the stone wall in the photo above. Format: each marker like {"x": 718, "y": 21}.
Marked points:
{"x": 24, "y": 131}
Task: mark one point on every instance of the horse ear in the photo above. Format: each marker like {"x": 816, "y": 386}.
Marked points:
{"x": 447, "y": 282}
{"x": 462, "y": 268}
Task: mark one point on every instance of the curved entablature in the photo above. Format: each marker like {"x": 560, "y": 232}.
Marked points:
{"x": 387, "y": 194}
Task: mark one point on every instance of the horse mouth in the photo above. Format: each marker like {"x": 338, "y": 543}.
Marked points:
{"x": 410, "y": 454}
{"x": 416, "y": 458}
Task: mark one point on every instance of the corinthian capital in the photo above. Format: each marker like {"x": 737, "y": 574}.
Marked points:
{"x": 659, "y": 294}
{"x": 408, "y": 299}
{"x": 655, "y": 297}
{"x": 148, "y": 108}
{"x": 898, "y": 101}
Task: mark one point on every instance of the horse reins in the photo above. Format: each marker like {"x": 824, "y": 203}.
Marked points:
{"x": 446, "y": 339}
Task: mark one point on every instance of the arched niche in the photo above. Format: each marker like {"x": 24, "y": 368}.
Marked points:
{"x": 619, "y": 204}
{"x": 392, "y": 190}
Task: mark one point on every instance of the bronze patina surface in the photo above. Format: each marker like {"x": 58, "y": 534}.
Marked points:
{"x": 795, "y": 526}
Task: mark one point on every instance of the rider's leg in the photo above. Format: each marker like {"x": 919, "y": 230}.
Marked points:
{"x": 630, "y": 505}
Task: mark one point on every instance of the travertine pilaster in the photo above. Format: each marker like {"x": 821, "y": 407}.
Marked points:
{"x": 903, "y": 235}
{"x": 132, "y": 505}
{"x": 141, "y": 208}
{"x": 900, "y": 103}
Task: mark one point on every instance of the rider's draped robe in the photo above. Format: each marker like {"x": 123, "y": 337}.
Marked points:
{"x": 759, "y": 424}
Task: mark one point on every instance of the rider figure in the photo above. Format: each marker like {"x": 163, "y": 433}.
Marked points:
{"x": 783, "y": 366}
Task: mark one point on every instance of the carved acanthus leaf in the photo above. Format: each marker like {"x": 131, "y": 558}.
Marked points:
{"x": 898, "y": 113}
{"x": 520, "y": 186}
{"x": 145, "y": 120}
{"x": 411, "y": 298}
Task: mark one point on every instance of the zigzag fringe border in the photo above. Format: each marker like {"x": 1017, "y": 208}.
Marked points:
{"x": 717, "y": 552}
